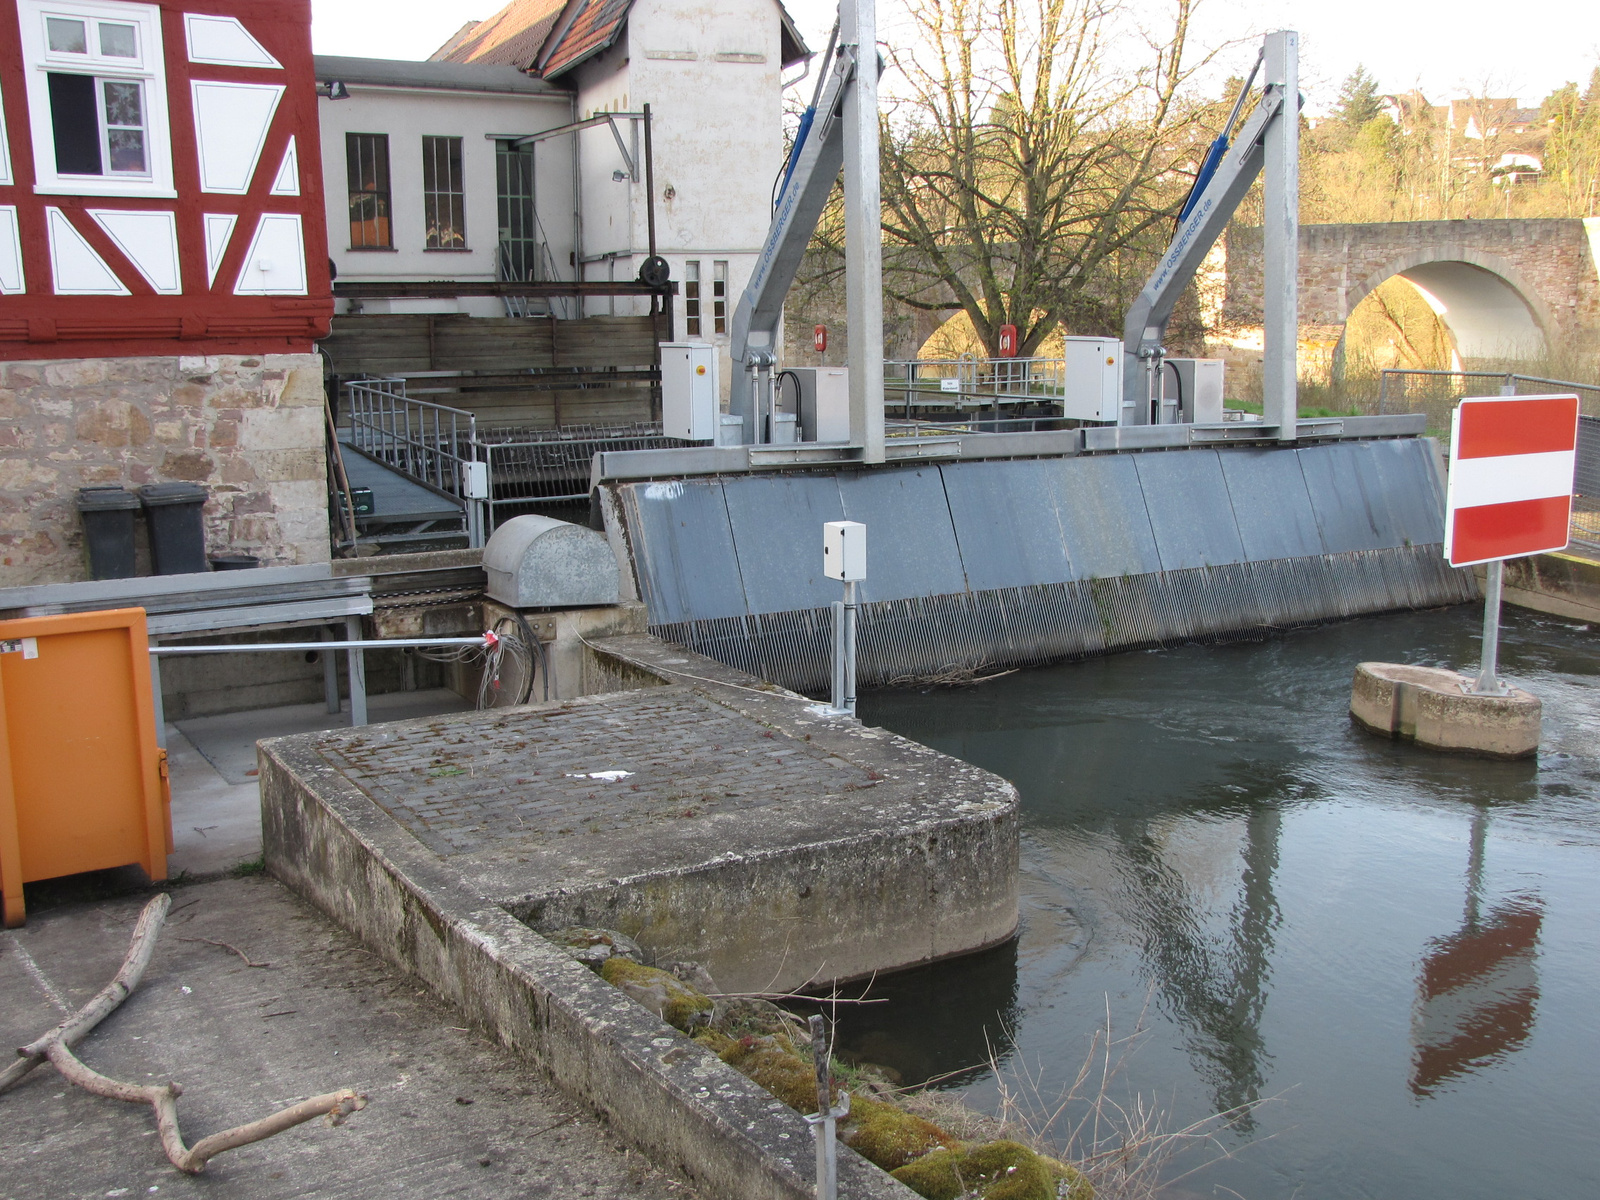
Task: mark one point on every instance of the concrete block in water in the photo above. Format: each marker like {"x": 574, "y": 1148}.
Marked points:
{"x": 1433, "y": 707}
{"x": 539, "y": 562}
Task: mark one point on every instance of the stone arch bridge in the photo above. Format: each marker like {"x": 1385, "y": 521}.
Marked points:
{"x": 1504, "y": 288}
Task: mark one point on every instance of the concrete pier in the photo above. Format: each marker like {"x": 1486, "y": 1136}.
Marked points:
{"x": 1435, "y": 707}
{"x": 705, "y": 813}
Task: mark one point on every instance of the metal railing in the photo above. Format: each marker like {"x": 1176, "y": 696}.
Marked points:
{"x": 1410, "y": 389}
{"x": 550, "y": 466}
{"x": 1586, "y": 487}
{"x": 428, "y": 443}
{"x": 971, "y": 382}
{"x": 488, "y": 470}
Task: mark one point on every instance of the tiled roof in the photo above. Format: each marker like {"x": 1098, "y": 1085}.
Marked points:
{"x": 512, "y": 37}
{"x": 593, "y": 25}
{"x": 553, "y": 36}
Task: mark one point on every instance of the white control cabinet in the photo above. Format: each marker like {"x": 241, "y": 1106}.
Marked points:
{"x": 824, "y": 402}
{"x": 844, "y": 550}
{"x": 690, "y": 395}
{"x": 1092, "y": 386}
{"x": 1194, "y": 389}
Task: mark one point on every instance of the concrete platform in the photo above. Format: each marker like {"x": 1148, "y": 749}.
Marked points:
{"x": 706, "y": 814}
{"x": 1433, "y": 707}
{"x": 449, "y": 1114}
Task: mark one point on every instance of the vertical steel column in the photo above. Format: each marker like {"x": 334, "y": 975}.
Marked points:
{"x": 850, "y": 646}
{"x": 1281, "y": 239}
{"x": 155, "y": 696}
{"x": 1488, "y": 682}
{"x": 863, "y": 229}
{"x": 838, "y": 691}
{"x": 330, "y": 672}
{"x": 358, "y": 673}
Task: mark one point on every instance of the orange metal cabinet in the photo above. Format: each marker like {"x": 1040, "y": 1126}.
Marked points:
{"x": 82, "y": 782}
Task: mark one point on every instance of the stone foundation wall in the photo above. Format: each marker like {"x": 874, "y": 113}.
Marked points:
{"x": 250, "y": 428}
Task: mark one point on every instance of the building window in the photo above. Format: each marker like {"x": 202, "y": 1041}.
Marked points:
{"x": 97, "y": 97}
{"x": 518, "y": 222}
{"x": 366, "y": 157}
{"x": 444, "y": 199}
{"x": 691, "y": 297}
{"x": 719, "y": 297}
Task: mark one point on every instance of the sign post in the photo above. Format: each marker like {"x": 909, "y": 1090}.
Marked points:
{"x": 1511, "y": 469}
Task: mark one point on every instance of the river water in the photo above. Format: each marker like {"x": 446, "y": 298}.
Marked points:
{"x": 1389, "y": 955}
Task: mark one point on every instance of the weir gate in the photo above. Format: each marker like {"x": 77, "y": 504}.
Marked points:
{"x": 979, "y": 562}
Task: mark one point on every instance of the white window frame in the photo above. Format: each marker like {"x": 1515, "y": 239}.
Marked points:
{"x": 150, "y": 70}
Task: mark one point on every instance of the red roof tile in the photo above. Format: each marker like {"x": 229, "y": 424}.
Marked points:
{"x": 552, "y": 36}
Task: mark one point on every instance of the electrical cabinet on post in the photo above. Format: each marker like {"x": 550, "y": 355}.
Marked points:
{"x": 1092, "y": 379}
{"x": 690, "y": 395}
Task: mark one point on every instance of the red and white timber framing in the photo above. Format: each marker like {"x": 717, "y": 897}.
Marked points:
{"x": 1511, "y": 468}
{"x": 160, "y": 191}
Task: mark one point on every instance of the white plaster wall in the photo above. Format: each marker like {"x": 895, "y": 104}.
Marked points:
{"x": 718, "y": 142}
{"x": 409, "y": 114}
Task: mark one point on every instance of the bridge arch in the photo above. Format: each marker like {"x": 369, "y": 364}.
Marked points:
{"x": 1490, "y": 309}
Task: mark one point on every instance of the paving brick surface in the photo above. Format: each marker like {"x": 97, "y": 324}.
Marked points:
{"x": 540, "y": 775}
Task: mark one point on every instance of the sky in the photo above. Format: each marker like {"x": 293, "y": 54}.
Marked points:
{"x": 1454, "y": 49}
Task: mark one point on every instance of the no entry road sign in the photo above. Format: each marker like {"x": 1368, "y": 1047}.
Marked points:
{"x": 1511, "y": 466}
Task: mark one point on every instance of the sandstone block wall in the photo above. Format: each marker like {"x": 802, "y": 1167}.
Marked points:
{"x": 250, "y": 428}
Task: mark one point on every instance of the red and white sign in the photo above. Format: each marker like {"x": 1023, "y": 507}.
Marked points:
{"x": 820, "y": 338}
{"x": 1511, "y": 466}
{"x": 1008, "y": 341}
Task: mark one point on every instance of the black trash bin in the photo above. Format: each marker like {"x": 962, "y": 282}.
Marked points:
{"x": 177, "y": 532}
{"x": 107, "y": 514}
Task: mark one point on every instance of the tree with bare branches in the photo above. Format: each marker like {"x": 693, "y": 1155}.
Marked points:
{"x": 1033, "y": 159}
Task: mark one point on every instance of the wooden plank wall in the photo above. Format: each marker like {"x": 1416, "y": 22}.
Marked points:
{"x": 584, "y": 354}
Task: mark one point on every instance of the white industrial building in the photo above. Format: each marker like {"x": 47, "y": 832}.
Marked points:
{"x": 429, "y": 176}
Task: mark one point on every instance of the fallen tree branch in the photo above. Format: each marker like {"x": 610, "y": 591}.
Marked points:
{"x": 76, "y": 1027}
{"x": 56, "y": 1046}
{"x": 248, "y": 961}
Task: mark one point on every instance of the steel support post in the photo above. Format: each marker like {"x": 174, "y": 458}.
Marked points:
{"x": 358, "y": 673}
{"x": 1488, "y": 682}
{"x": 838, "y": 689}
{"x": 863, "y": 229}
{"x": 1280, "y": 193}
{"x": 330, "y": 672}
{"x": 155, "y": 697}
{"x": 850, "y": 647}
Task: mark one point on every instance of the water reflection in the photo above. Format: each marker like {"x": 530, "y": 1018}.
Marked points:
{"x": 1204, "y": 826}
{"x": 1214, "y": 986}
{"x": 1479, "y": 986}
{"x": 941, "y": 1022}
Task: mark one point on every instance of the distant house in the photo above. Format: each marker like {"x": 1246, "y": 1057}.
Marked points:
{"x": 163, "y": 271}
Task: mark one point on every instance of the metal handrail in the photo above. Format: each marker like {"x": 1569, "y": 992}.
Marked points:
{"x": 970, "y": 382}
{"x": 429, "y": 443}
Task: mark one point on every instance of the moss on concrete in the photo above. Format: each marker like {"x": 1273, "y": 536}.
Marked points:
{"x": 678, "y": 1004}
{"x": 888, "y": 1136}
{"x": 773, "y": 1063}
{"x": 1001, "y": 1170}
